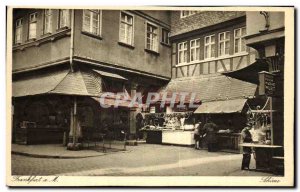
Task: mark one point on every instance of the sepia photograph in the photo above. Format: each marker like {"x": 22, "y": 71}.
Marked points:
{"x": 170, "y": 96}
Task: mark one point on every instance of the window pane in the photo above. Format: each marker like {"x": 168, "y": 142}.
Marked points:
{"x": 222, "y": 36}
{"x": 221, "y": 49}
{"x": 227, "y": 47}
{"x": 243, "y": 48}
{"x": 227, "y": 35}
{"x": 32, "y": 30}
{"x": 197, "y": 54}
{"x": 206, "y": 40}
{"x": 192, "y": 43}
{"x": 212, "y": 39}
{"x": 206, "y": 51}
{"x": 192, "y": 54}
{"x": 212, "y": 50}
{"x": 236, "y": 46}
{"x": 243, "y": 31}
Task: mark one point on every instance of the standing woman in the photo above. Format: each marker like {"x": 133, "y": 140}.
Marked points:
{"x": 246, "y": 138}
{"x": 197, "y": 135}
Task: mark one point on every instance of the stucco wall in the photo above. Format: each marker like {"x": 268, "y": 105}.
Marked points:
{"x": 108, "y": 50}
{"x": 43, "y": 50}
{"x": 256, "y": 21}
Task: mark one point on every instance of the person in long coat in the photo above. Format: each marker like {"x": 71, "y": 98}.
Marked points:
{"x": 211, "y": 137}
{"x": 246, "y": 138}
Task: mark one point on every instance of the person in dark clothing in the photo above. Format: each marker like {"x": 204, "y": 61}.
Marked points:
{"x": 246, "y": 138}
{"x": 211, "y": 137}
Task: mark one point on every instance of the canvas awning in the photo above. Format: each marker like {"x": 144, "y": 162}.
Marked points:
{"x": 64, "y": 82}
{"x": 250, "y": 72}
{"x": 111, "y": 75}
{"x": 227, "y": 106}
{"x": 110, "y": 101}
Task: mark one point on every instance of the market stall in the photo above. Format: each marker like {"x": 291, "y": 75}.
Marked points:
{"x": 262, "y": 136}
{"x": 176, "y": 128}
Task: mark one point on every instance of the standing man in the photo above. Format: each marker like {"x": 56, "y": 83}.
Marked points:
{"x": 246, "y": 138}
{"x": 211, "y": 137}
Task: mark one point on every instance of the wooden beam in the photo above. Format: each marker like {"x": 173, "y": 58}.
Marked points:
{"x": 223, "y": 65}
{"x": 239, "y": 63}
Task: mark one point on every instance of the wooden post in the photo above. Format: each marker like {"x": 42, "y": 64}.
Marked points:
{"x": 75, "y": 121}
{"x": 271, "y": 120}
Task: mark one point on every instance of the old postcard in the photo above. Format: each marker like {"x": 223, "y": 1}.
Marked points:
{"x": 150, "y": 96}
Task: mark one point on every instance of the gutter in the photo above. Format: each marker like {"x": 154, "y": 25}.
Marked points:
{"x": 72, "y": 41}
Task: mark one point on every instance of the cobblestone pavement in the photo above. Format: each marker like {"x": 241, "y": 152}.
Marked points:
{"x": 144, "y": 159}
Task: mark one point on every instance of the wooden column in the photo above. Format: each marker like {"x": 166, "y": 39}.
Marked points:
{"x": 132, "y": 113}
{"x": 73, "y": 134}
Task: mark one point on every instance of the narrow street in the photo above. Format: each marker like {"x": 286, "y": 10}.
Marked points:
{"x": 144, "y": 160}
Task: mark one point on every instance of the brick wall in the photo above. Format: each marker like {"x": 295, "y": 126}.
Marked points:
{"x": 200, "y": 20}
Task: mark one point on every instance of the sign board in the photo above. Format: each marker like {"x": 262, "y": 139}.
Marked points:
{"x": 266, "y": 83}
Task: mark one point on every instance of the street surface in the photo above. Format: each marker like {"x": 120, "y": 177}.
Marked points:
{"x": 144, "y": 160}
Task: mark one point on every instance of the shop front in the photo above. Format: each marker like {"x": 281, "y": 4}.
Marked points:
{"x": 60, "y": 106}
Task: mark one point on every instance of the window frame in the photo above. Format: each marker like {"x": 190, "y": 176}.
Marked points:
{"x": 240, "y": 39}
{"x": 189, "y": 13}
{"x": 132, "y": 26}
{"x": 30, "y": 23}
{"x": 195, "y": 47}
{"x": 181, "y": 50}
{"x": 168, "y": 36}
{"x": 210, "y": 47}
{"x": 157, "y": 37}
{"x": 223, "y": 42}
{"x": 67, "y": 25}
{"x": 21, "y": 30}
{"x": 49, "y": 31}
{"x": 99, "y": 20}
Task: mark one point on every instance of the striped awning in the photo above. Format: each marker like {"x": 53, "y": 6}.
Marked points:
{"x": 227, "y": 106}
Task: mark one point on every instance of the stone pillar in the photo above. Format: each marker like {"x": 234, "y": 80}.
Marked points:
{"x": 132, "y": 113}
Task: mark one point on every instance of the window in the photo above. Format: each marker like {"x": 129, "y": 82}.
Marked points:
{"x": 165, "y": 36}
{"x": 47, "y": 21}
{"x": 209, "y": 47}
{"x": 152, "y": 39}
{"x": 239, "y": 40}
{"x": 224, "y": 43}
{"x": 64, "y": 18}
{"x": 126, "y": 28}
{"x": 182, "y": 52}
{"x": 194, "y": 50}
{"x": 32, "y": 26}
{"x": 18, "y": 31}
{"x": 92, "y": 21}
{"x": 184, "y": 14}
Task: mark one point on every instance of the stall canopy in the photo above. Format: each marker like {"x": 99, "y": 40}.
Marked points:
{"x": 227, "y": 106}
{"x": 212, "y": 88}
{"x": 250, "y": 72}
{"x": 112, "y": 101}
{"x": 111, "y": 75}
{"x": 64, "y": 82}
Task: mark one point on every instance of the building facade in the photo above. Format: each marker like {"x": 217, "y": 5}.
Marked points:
{"x": 63, "y": 59}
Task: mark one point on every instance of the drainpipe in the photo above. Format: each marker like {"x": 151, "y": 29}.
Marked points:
{"x": 72, "y": 41}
